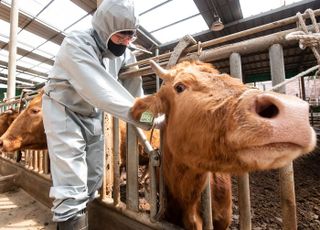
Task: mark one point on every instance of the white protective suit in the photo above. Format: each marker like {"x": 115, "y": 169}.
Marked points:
{"x": 82, "y": 84}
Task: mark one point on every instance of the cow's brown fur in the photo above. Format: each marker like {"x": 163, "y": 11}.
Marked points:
{"x": 214, "y": 123}
{"x": 26, "y": 131}
{"x": 6, "y": 118}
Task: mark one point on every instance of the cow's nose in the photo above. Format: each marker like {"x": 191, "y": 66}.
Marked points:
{"x": 265, "y": 107}
{"x": 287, "y": 115}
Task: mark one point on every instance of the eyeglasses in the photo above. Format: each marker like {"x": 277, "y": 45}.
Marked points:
{"x": 124, "y": 38}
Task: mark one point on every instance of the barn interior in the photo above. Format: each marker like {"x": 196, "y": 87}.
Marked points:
{"x": 42, "y": 26}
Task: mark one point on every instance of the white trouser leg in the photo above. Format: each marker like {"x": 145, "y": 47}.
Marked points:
{"x": 76, "y": 151}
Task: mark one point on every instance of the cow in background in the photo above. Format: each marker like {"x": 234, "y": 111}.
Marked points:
{"x": 6, "y": 118}
{"x": 214, "y": 123}
{"x": 26, "y": 131}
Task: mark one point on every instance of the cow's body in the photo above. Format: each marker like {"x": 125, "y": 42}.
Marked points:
{"x": 214, "y": 123}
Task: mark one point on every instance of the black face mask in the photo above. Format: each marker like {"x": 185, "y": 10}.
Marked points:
{"x": 116, "y": 49}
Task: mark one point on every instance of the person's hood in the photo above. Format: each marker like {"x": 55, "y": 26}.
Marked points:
{"x": 113, "y": 16}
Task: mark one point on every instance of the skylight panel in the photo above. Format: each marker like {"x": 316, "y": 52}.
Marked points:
{"x": 143, "y": 5}
{"x": 4, "y": 54}
{"x": 177, "y": 31}
{"x": 27, "y": 62}
{"x": 84, "y": 24}
{"x": 61, "y": 14}
{"x": 251, "y": 8}
{"x": 50, "y": 48}
{"x": 31, "y": 77}
{"x": 44, "y": 68}
{"x": 155, "y": 19}
{"x": 176, "y": 23}
{"x": 31, "y": 7}
{"x": 43, "y": 53}
{"x": 30, "y": 39}
{"x": 5, "y": 28}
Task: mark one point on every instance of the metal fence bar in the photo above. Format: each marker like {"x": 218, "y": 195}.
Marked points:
{"x": 116, "y": 162}
{"x": 132, "y": 195}
{"x": 288, "y": 204}
{"x": 243, "y": 180}
{"x": 207, "y": 206}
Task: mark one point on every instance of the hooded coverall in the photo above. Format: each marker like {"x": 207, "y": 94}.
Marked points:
{"x": 82, "y": 83}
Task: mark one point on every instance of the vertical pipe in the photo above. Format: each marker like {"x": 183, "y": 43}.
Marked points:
{"x": 207, "y": 206}
{"x": 303, "y": 89}
{"x": 14, "y": 19}
{"x": 243, "y": 181}
{"x": 46, "y": 162}
{"x": 132, "y": 195}
{"x": 106, "y": 189}
{"x": 116, "y": 162}
{"x": 41, "y": 162}
{"x": 288, "y": 202}
{"x": 35, "y": 160}
{"x": 157, "y": 77}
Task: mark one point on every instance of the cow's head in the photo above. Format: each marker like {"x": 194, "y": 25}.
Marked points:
{"x": 26, "y": 131}
{"x": 6, "y": 118}
{"x": 216, "y": 123}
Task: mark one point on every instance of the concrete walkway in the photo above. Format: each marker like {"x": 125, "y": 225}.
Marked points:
{"x": 18, "y": 210}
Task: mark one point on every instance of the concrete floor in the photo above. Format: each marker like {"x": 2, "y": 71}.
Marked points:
{"x": 18, "y": 210}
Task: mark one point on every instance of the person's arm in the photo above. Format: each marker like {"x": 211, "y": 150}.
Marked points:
{"x": 94, "y": 83}
{"x": 132, "y": 84}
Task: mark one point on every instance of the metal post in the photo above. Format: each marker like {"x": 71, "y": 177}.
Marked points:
{"x": 303, "y": 89}
{"x": 132, "y": 195}
{"x": 14, "y": 19}
{"x": 116, "y": 160}
{"x": 243, "y": 181}
{"x": 288, "y": 202}
{"x": 41, "y": 153}
{"x": 157, "y": 77}
{"x": 106, "y": 189}
{"x": 207, "y": 205}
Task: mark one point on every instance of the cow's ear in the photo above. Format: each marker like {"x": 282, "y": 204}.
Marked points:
{"x": 151, "y": 103}
{"x": 164, "y": 74}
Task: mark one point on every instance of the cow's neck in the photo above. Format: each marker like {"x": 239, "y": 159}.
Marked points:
{"x": 184, "y": 188}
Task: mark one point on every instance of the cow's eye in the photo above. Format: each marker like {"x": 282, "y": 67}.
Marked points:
{"x": 35, "y": 110}
{"x": 179, "y": 87}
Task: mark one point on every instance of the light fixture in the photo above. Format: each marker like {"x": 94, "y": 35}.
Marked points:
{"x": 217, "y": 24}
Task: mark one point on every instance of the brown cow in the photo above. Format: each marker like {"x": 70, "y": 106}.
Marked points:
{"x": 26, "y": 131}
{"x": 214, "y": 123}
{"x": 6, "y": 118}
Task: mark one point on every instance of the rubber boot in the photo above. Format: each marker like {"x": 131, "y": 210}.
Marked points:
{"x": 78, "y": 222}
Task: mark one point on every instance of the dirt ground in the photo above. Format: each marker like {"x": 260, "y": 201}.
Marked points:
{"x": 18, "y": 210}
{"x": 265, "y": 199}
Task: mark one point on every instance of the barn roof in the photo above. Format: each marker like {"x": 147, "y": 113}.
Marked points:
{"x": 51, "y": 27}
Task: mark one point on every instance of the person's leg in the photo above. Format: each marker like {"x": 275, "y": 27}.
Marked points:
{"x": 93, "y": 133}
{"x": 67, "y": 151}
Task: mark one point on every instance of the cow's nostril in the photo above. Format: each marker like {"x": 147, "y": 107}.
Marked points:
{"x": 266, "y": 109}
{"x": 1, "y": 143}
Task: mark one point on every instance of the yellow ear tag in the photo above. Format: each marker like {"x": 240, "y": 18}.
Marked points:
{"x": 146, "y": 117}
